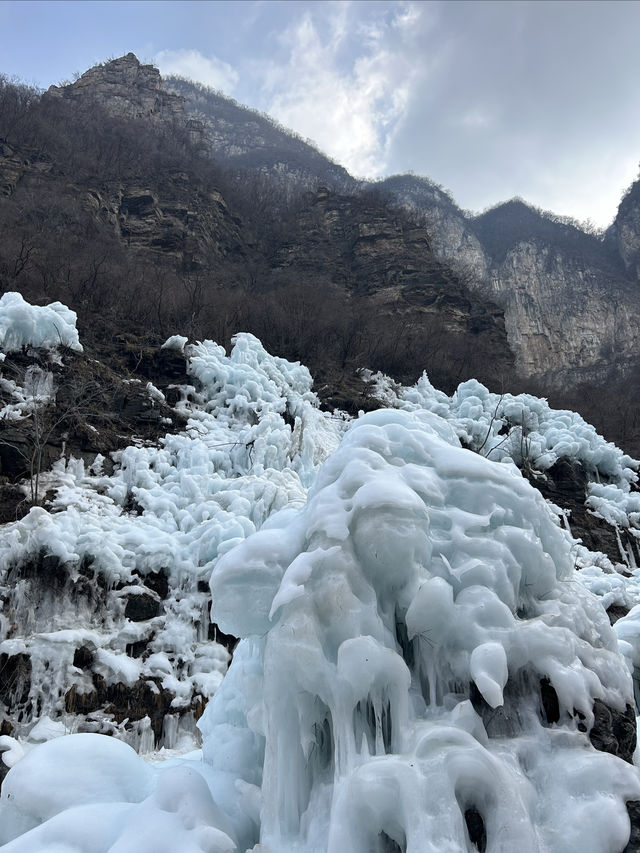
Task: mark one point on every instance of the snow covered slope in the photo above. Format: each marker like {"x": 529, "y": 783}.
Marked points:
{"x": 421, "y": 667}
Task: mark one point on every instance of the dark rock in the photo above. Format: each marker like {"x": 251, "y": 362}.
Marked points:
{"x": 615, "y": 612}
{"x": 15, "y": 679}
{"x": 549, "y": 700}
{"x": 476, "y": 829}
{"x": 83, "y": 657}
{"x": 219, "y": 636}
{"x": 141, "y": 607}
{"x": 614, "y": 731}
{"x": 565, "y": 484}
{"x": 144, "y": 698}
{"x": 137, "y": 649}
{"x": 13, "y": 503}
{"x": 158, "y": 582}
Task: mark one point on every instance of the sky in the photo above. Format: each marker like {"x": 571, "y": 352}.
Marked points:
{"x": 490, "y": 99}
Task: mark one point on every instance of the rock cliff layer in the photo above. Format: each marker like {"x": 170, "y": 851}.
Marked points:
{"x": 571, "y": 307}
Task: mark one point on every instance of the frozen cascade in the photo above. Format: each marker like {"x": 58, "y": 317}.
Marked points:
{"x": 403, "y": 630}
{"x": 405, "y": 634}
{"x": 108, "y": 590}
{"x": 419, "y": 668}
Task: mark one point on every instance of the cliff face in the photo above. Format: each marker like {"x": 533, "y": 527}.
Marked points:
{"x": 626, "y": 230}
{"x": 131, "y": 184}
{"x": 125, "y": 88}
{"x": 111, "y": 155}
{"x": 570, "y": 303}
{"x": 362, "y": 246}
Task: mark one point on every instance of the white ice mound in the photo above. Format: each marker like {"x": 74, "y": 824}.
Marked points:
{"x": 400, "y": 632}
{"x": 513, "y": 427}
{"x": 89, "y": 793}
{"x": 47, "y": 326}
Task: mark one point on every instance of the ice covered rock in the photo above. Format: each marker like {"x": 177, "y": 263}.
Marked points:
{"x": 406, "y": 629}
{"x": 512, "y": 427}
{"x": 46, "y": 326}
{"x": 119, "y": 565}
{"x": 419, "y": 670}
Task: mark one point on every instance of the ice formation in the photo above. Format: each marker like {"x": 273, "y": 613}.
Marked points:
{"x": 68, "y": 574}
{"x": 516, "y": 428}
{"x": 48, "y": 326}
{"x": 418, "y": 665}
{"x": 403, "y": 627}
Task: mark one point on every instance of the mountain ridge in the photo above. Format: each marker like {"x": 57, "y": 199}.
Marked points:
{"x": 568, "y": 298}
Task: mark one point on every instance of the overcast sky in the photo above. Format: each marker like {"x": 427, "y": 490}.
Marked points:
{"x": 490, "y": 99}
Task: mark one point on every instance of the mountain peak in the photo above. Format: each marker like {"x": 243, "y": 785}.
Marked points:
{"x": 125, "y": 87}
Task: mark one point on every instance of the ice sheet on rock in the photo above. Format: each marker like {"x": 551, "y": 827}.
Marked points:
{"x": 401, "y": 628}
{"x": 176, "y": 342}
{"x": 519, "y": 427}
{"x": 252, "y": 393}
{"x": 621, "y": 509}
{"x": 46, "y": 326}
{"x": 254, "y": 438}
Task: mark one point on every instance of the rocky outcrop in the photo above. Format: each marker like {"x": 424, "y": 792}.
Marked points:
{"x": 173, "y": 218}
{"x": 244, "y": 138}
{"x": 361, "y": 245}
{"x": 626, "y": 230}
{"x": 161, "y": 202}
{"x": 564, "y": 318}
{"x": 571, "y": 309}
{"x": 126, "y": 88}
{"x": 75, "y": 681}
{"x": 30, "y": 167}
{"x": 93, "y": 410}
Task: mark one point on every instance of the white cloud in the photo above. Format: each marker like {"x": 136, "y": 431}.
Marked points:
{"x": 194, "y": 65}
{"x": 346, "y": 97}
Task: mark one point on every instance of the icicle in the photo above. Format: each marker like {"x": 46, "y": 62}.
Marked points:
{"x": 170, "y": 726}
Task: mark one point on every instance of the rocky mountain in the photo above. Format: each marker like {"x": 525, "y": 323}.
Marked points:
{"x": 626, "y": 230}
{"x": 206, "y": 234}
{"x": 400, "y": 585}
{"x": 569, "y": 298}
{"x": 125, "y": 88}
{"x": 568, "y": 295}
{"x": 242, "y": 138}
{"x": 143, "y": 228}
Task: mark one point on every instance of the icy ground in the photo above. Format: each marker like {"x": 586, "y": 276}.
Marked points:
{"x": 404, "y": 602}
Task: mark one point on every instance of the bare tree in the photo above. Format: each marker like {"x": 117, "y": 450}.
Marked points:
{"x": 45, "y": 422}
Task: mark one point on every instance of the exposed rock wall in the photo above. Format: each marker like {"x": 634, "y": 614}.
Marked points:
{"x": 571, "y": 312}
{"x": 365, "y": 247}
{"x": 627, "y": 230}
{"x": 563, "y": 318}
{"x": 126, "y": 88}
